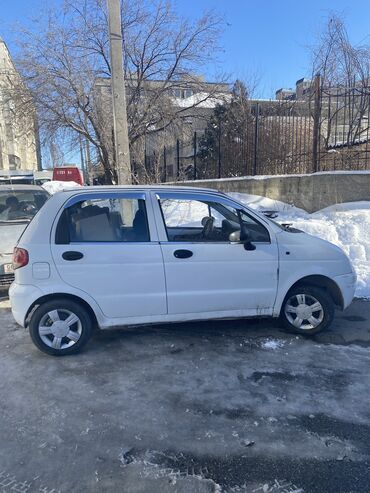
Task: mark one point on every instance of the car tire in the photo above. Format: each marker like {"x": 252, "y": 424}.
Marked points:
{"x": 307, "y": 310}
{"x": 60, "y": 327}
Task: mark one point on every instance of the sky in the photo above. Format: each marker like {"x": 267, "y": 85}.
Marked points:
{"x": 264, "y": 40}
{"x": 271, "y": 39}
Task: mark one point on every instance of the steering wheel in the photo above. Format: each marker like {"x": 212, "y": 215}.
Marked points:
{"x": 208, "y": 226}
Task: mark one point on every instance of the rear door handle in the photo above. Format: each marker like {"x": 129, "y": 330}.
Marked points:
{"x": 183, "y": 253}
{"x": 72, "y": 255}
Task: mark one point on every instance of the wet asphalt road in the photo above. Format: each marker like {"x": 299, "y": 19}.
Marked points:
{"x": 232, "y": 406}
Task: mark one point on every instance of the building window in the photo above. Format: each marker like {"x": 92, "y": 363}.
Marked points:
{"x": 183, "y": 93}
{"x": 14, "y": 161}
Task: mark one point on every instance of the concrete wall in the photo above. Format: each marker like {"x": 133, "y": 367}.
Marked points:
{"x": 310, "y": 192}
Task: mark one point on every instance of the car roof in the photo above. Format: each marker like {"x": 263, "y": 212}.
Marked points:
{"x": 21, "y": 188}
{"x": 169, "y": 188}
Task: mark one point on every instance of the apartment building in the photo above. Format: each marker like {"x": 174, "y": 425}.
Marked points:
{"x": 18, "y": 142}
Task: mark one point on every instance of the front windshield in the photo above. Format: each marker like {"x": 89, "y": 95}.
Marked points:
{"x": 20, "y": 205}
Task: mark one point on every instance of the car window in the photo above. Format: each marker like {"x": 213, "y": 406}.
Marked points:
{"x": 20, "y": 205}
{"x": 104, "y": 220}
{"x": 206, "y": 221}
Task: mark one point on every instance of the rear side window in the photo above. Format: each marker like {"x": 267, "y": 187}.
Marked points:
{"x": 104, "y": 220}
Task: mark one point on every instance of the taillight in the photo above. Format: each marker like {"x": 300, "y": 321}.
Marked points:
{"x": 20, "y": 258}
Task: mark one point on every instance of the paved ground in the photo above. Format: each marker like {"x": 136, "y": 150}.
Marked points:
{"x": 229, "y": 406}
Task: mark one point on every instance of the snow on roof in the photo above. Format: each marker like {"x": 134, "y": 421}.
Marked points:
{"x": 202, "y": 100}
{"x": 54, "y": 186}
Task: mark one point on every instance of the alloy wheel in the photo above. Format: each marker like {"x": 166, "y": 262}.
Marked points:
{"x": 60, "y": 329}
{"x": 304, "y": 311}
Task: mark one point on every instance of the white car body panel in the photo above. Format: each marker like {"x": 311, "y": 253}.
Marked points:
{"x": 221, "y": 277}
{"x": 302, "y": 255}
{"x": 141, "y": 283}
{"x": 118, "y": 276}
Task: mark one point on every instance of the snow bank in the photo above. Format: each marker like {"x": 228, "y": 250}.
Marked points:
{"x": 264, "y": 203}
{"x": 346, "y": 225}
{"x": 57, "y": 186}
{"x": 348, "y": 206}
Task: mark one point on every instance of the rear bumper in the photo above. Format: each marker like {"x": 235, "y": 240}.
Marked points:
{"x": 22, "y": 296}
{"x": 347, "y": 285}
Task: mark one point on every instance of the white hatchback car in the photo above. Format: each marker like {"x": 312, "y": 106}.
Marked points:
{"x": 119, "y": 256}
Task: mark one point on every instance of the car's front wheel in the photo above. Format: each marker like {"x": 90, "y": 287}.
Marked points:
{"x": 307, "y": 310}
{"x": 60, "y": 327}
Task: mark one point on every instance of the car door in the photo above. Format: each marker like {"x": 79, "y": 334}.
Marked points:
{"x": 106, "y": 244}
{"x": 205, "y": 272}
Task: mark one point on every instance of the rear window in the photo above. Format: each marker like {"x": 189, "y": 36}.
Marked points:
{"x": 20, "y": 205}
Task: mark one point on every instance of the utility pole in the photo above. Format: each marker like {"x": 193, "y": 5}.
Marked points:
{"x": 82, "y": 158}
{"x": 121, "y": 147}
{"x": 316, "y": 124}
{"x": 37, "y": 142}
{"x": 256, "y": 138}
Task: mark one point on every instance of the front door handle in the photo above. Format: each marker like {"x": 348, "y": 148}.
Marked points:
{"x": 72, "y": 255}
{"x": 183, "y": 253}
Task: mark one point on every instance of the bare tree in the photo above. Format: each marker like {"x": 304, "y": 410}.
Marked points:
{"x": 63, "y": 63}
{"x": 337, "y": 60}
{"x": 344, "y": 70}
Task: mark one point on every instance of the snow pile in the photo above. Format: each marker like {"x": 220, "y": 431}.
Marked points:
{"x": 350, "y": 230}
{"x": 346, "y": 225}
{"x": 264, "y": 203}
{"x": 57, "y": 186}
{"x": 347, "y": 206}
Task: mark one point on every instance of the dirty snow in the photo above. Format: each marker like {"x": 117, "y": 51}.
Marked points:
{"x": 346, "y": 225}
{"x": 272, "y": 344}
{"x": 57, "y": 186}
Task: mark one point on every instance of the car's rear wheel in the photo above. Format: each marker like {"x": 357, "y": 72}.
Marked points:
{"x": 307, "y": 310}
{"x": 60, "y": 327}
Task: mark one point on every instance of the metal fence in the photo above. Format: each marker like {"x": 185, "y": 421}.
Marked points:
{"x": 327, "y": 131}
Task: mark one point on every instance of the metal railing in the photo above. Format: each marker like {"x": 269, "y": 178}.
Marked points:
{"x": 327, "y": 131}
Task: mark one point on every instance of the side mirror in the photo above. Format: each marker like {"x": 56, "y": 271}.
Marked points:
{"x": 234, "y": 237}
{"x": 248, "y": 245}
{"x": 243, "y": 237}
